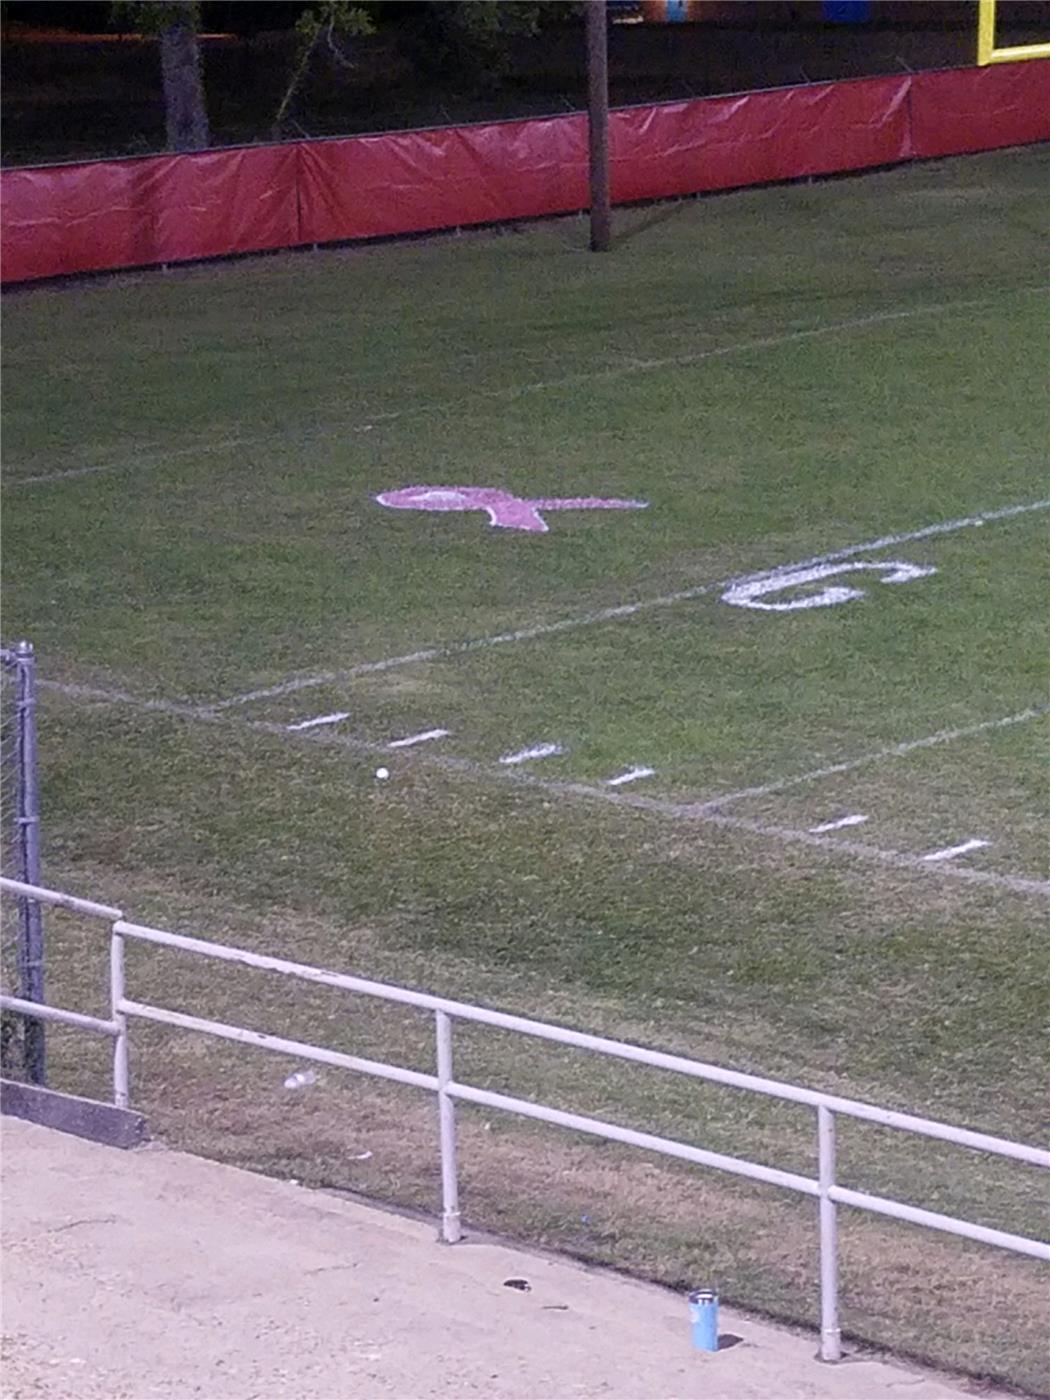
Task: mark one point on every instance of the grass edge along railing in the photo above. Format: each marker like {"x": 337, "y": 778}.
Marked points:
{"x": 824, "y": 1188}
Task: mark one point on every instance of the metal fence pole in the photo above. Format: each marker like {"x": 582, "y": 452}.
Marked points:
{"x": 598, "y": 123}
{"x": 31, "y": 949}
{"x": 116, "y": 998}
{"x": 830, "y": 1332}
{"x": 450, "y": 1220}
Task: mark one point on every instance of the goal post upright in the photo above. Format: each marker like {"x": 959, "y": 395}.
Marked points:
{"x": 987, "y": 52}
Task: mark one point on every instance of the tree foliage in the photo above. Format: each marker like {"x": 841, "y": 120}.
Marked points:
{"x": 470, "y": 44}
{"x": 462, "y": 45}
{"x": 324, "y": 25}
{"x": 152, "y": 17}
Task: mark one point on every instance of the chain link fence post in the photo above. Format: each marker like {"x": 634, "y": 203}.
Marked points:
{"x": 20, "y": 840}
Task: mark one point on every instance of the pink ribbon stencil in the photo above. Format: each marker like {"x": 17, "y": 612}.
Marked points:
{"x": 505, "y": 511}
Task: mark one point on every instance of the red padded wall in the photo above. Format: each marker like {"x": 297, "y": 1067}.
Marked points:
{"x": 976, "y": 109}
{"x": 126, "y": 213}
{"x": 110, "y": 214}
{"x": 368, "y": 186}
{"x": 720, "y": 142}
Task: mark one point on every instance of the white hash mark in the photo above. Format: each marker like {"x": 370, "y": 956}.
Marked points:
{"x": 320, "y": 719}
{"x": 540, "y": 751}
{"x": 855, "y": 820}
{"x": 422, "y": 738}
{"x": 950, "y": 852}
{"x": 631, "y": 776}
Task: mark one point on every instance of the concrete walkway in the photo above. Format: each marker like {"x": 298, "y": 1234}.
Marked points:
{"x": 132, "y": 1275}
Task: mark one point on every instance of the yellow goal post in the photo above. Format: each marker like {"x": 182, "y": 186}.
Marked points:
{"x": 986, "y": 49}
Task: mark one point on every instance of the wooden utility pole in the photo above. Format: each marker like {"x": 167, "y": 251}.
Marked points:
{"x": 598, "y": 122}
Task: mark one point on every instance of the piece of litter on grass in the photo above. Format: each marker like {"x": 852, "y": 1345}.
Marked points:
{"x": 300, "y": 1079}
{"x": 361, "y": 1157}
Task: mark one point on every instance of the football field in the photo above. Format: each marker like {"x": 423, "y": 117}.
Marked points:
{"x": 694, "y": 599}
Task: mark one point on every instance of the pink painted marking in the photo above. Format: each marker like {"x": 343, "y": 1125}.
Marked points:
{"x": 505, "y": 511}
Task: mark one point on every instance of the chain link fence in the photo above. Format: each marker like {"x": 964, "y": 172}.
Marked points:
{"x": 22, "y": 1048}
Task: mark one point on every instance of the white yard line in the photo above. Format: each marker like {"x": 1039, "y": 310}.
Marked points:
{"x": 950, "y": 852}
{"x": 424, "y": 738}
{"x": 944, "y": 736}
{"x": 318, "y": 720}
{"x": 145, "y": 459}
{"x": 568, "y": 624}
{"x": 857, "y": 819}
{"x": 632, "y": 365}
{"x": 628, "y": 366}
{"x": 681, "y": 812}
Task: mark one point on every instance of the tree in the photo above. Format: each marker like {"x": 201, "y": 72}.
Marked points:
{"x": 323, "y": 24}
{"x": 175, "y": 23}
{"x": 471, "y": 43}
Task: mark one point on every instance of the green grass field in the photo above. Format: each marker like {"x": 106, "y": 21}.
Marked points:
{"x": 850, "y": 373}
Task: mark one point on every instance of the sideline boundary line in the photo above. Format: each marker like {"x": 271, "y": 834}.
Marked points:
{"x": 547, "y": 629}
{"x": 628, "y": 367}
{"x": 664, "y": 807}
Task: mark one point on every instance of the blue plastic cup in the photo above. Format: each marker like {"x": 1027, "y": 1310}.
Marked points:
{"x": 703, "y": 1315}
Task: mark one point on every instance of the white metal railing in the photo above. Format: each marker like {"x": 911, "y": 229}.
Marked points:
{"x": 448, "y": 1089}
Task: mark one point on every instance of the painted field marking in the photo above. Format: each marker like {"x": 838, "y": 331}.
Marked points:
{"x": 943, "y": 736}
{"x": 524, "y": 755}
{"x": 424, "y": 738}
{"x": 631, "y": 776}
{"x": 150, "y": 457}
{"x": 747, "y": 595}
{"x": 177, "y": 709}
{"x": 504, "y": 510}
{"x": 680, "y": 812}
{"x": 662, "y": 807}
{"x": 318, "y": 720}
{"x": 549, "y": 629}
{"x": 950, "y": 852}
{"x": 855, "y": 820}
{"x": 628, "y": 367}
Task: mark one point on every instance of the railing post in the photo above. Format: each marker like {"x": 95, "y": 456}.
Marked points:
{"x": 116, "y": 997}
{"x": 830, "y": 1333}
{"x": 450, "y": 1227}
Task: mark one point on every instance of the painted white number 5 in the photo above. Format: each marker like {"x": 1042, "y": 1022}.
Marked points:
{"x": 752, "y": 592}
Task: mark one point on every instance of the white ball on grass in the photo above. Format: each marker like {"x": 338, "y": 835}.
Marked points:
{"x": 382, "y": 773}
